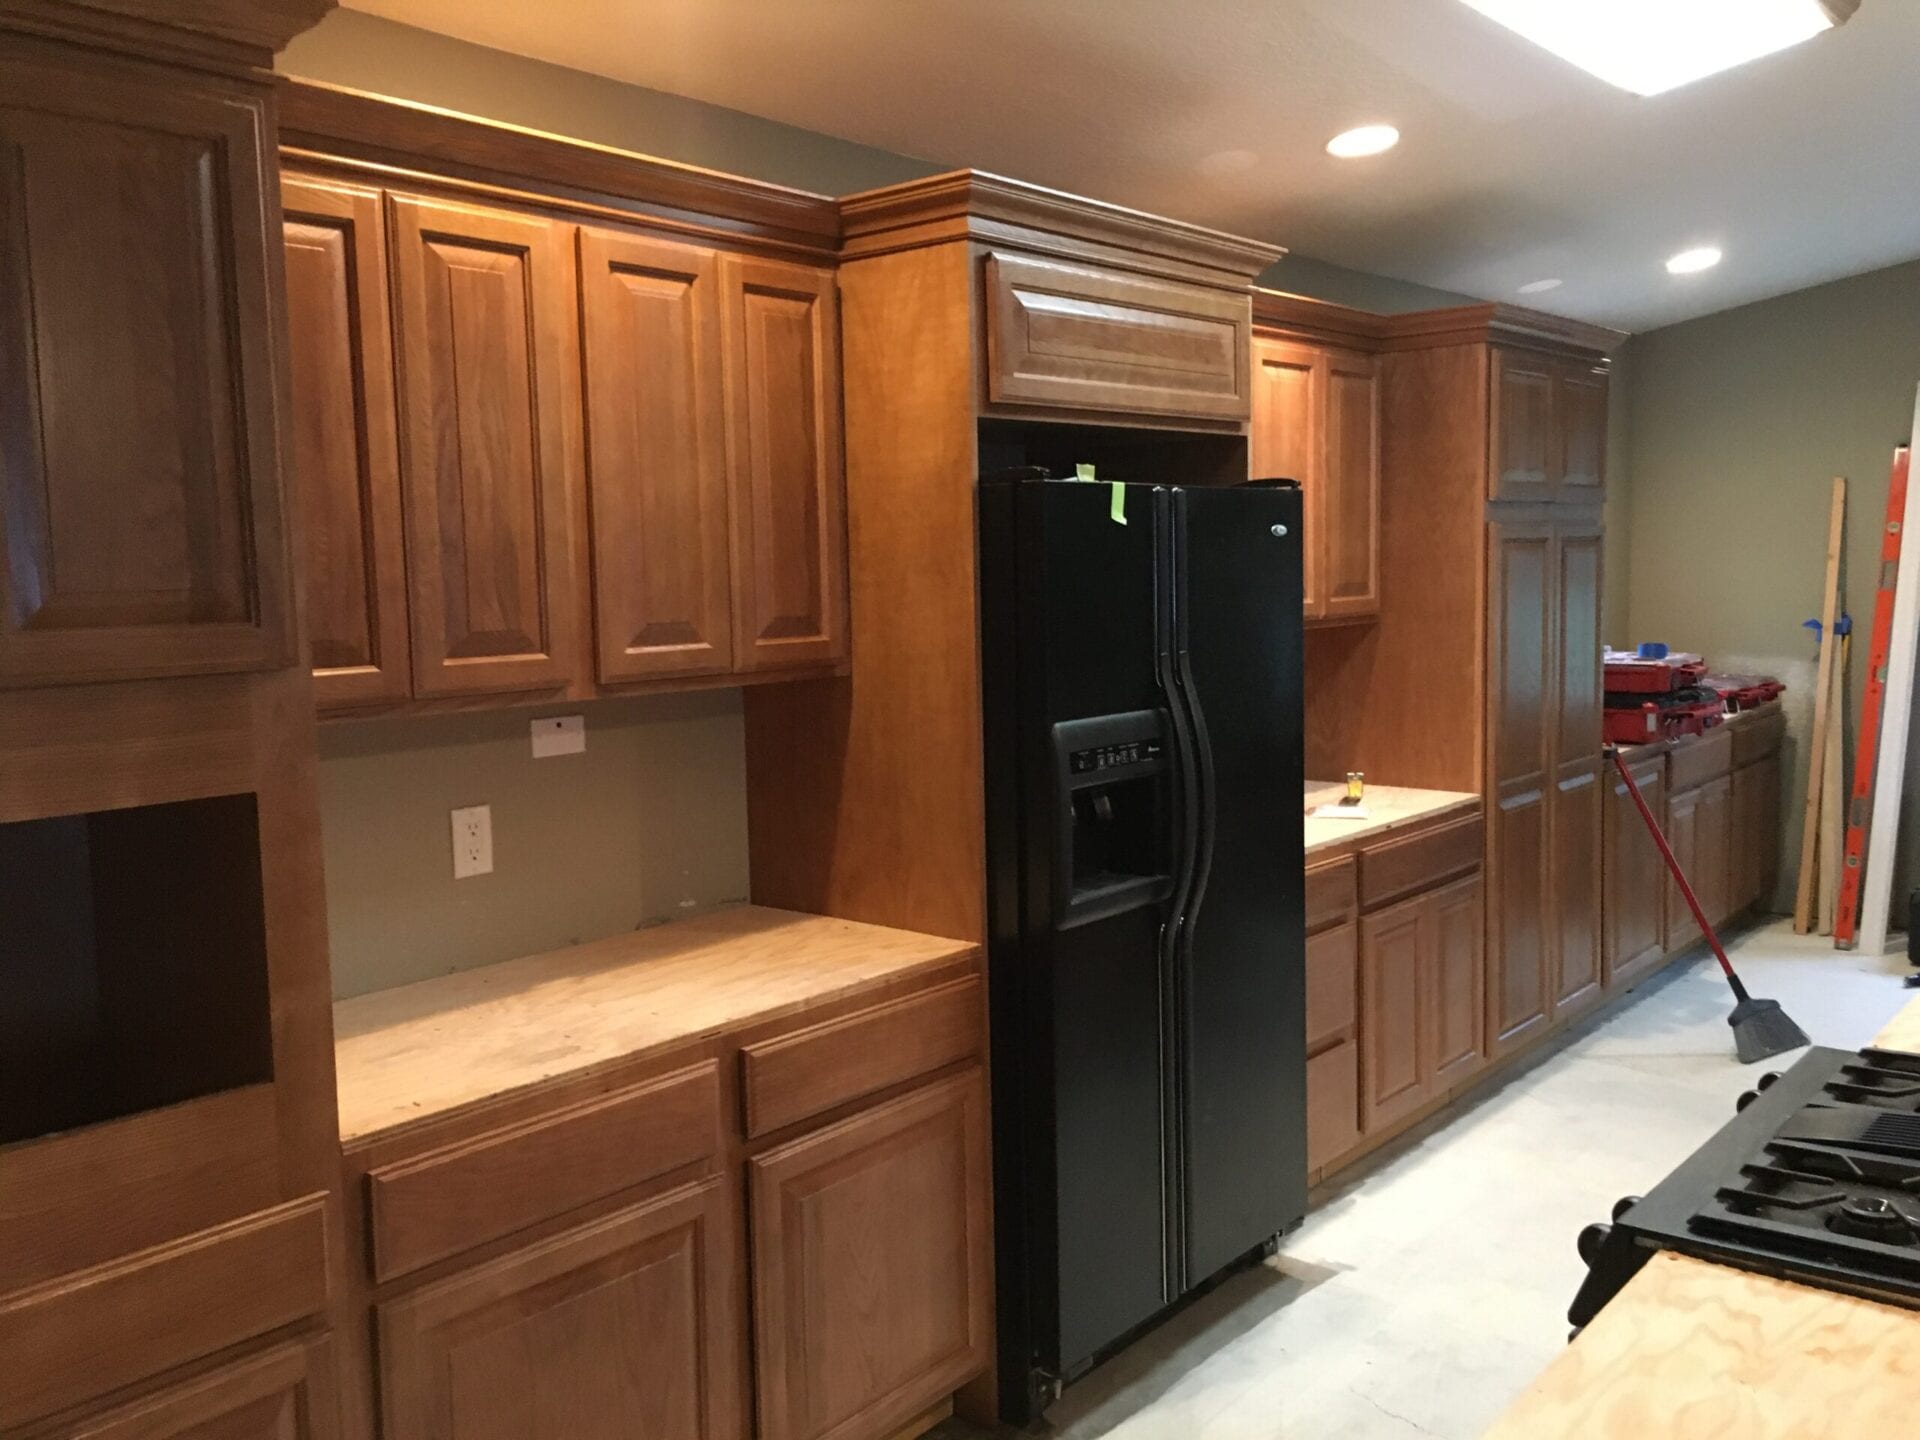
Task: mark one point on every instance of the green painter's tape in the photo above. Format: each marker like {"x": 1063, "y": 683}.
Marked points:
{"x": 1083, "y": 472}
{"x": 1117, "y": 503}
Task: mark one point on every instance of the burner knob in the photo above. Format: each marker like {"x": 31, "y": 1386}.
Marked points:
{"x": 1747, "y": 1098}
{"x": 1624, "y": 1204}
{"x": 1591, "y": 1240}
{"x": 1766, "y": 1081}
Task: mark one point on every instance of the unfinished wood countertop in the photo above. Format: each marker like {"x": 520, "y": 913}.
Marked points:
{"x": 1690, "y": 1350}
{"x": 1389, "y": 808}
{"x": 430, "y": 1048}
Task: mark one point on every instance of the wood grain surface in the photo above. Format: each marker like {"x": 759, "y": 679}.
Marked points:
{"x": 1902, "y": 1032}
{"x": 1391, "y": 809}
{"x": 427, "y": 1049}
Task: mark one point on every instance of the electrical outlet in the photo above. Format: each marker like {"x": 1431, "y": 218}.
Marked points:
{"x": 472, "y": 841}
{"x": 558, "y": 735}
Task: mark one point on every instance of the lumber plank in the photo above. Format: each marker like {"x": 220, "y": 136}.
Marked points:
{"x": 1803, "y": 897}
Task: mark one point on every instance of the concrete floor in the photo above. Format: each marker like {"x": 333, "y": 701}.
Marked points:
{"x": 1430, "y": 1284}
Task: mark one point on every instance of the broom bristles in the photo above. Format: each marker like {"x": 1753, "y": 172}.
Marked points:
{"x": 1761, "y": 1030}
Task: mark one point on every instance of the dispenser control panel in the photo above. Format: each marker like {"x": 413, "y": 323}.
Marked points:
{"x": 1109, "y": 757}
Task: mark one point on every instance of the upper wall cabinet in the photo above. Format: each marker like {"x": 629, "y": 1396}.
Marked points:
{"x": 1095, "y": 339}
{"x": 1581, "y": 396}
{"x": 345, "y": 458}
{"x": 783, "y": 427}
{"x": 656, "y": 457}
{"x": 1549, "y": 427}
{"x": 489, "y": 447}
{"x": 140, "y": 493}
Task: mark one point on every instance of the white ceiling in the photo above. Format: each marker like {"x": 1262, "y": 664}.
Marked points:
{"x": 1514, "y": 167}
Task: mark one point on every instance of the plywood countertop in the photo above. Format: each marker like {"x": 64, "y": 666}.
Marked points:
{"x": 431, "y": 1048}
{"x": 1695, "y": 1351}
{"x": 1389, "y": 808}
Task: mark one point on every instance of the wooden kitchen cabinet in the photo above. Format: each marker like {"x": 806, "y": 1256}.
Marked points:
{"x": 1333, "y": 1001}
{"x": 141, "y": 526}
{"x": 872, "y": 1277}
{"x": 625, "y": 1326}
{"x": 1580, "y": 402}
{"x": 1422, "y": 980}
{"x": 284, "y": 1393}
{"x": 1636, "y": 876}
{"x": 1713, "y": 875}
{"x": 1754, "y": 838}
{"x": 781, "y": 323}
{"x": 1284, "y": 441}
{"x": 1683, "y": 838}
{"x": 345, "y": 459}
{"x": 656, "y": 457}
{"x": 1575, "y": 817}
{"x": 484, "y": 334}
{"x": 1457, "y": 991}
{"x": 1549, "y": 431}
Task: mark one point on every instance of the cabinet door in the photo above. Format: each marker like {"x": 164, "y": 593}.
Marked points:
{"x": 1766, "y": 834}
{"x": 345, "y": 460}
{"x": 1743, "y": 853}
{"x": 1521, "y": 615}
{"x": 1333, "y": 1104}
{"x": 1457, "y": 999}
{"x": 625, "y": 1327}
{"x": 140, "y": 466}
{"x": 488, "y": 445}
{"x": 1525, "y": 446}
{"x": 1712, "y": 879}
{"x": 1635, "y": 877}
{"x": 1350, "y": 484}
{"x": 1580, "y": 402}
{"x": 656, "y": 457}
{"x": 787, "y": 490}
{"x": 1395, "y": 1059}
{"x": 1575, "y": 821}
{"x": 1683, "y": 838}
{"x": 871, "y": 1274}
{"x": 286, "y": 1393}
{"x": 1284, "y": 443}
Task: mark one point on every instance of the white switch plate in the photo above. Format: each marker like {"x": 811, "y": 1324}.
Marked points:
{"x": 558, "y": 735}
{"x": 472, "y": 841}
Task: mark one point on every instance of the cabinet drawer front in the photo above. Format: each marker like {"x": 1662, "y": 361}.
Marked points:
{"x": 89, "y": 1333}
{"x": 1330, "y": 894}
{"x": 1333, "y": 1104}
{"x": 464, "y": 1195}
{"x": 1331, "y": 961}
{"x": 1699, "y": 759}
{"x": 796, "y": 1076}
{"x": 286, "y": 1393}
{"x": 1402, "y": 867}
{"x": 1757, "y": 738}
{"x": 1090, "y": 339}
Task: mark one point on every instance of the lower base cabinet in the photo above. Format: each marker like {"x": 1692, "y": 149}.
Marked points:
{"x": 1422, "y": 992}
{"x": 871, "y": 1265}
{"x": 628, "y": 1326}
{"x": 1636, "y": 876}
{"x": 285, "y": 1393}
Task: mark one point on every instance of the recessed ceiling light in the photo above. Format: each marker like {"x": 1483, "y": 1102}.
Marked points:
{"x": 1366, "y": 140}
{"x": 1650, "y": 46}
{"x": 1539, "y": 287}
{"x": 1691, "y": 262}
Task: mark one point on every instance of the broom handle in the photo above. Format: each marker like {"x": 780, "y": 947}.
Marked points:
{"x": 1679, "y": 876}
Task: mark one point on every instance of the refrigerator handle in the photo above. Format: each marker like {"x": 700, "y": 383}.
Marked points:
{"x": 1202, "y": 846}
{"x": 1186, "y": 777}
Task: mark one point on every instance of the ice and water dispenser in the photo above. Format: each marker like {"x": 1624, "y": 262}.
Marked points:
{"x": 1113, "y": 821}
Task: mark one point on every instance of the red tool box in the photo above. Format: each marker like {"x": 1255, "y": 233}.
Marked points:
{"x": 1743, "y": 692}
{"x": 1628, "y": 674}
{"x": 1655, "y": 721}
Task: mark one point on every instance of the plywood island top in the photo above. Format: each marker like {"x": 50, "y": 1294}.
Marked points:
{"x": 429, "y": 1049}
{"x": 1690, "y": 1350}
{"x": 1389, "y": 808}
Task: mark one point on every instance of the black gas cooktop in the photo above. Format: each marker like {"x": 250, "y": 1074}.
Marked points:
{"x": 1816, "y": 1179}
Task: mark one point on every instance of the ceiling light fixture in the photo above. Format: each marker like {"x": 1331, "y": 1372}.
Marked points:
{"x": 1651, "y": 46}
{"x": 1539, "y": 287}
{"x": 1365, "y": 140}
{"x": 1692, "y": 262}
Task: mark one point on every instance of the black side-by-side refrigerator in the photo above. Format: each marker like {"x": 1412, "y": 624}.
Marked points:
{"x": 1142, "y": 663}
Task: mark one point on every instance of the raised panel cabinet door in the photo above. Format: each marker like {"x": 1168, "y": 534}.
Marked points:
{"x": 1350, "y": 508}
{"x": 872, "y": 1282}
{"x": 1683, "y": 838}
{"x": 656, "y": 457}
{"x": 1284, "y": 442}
{"x": 488, "y": 445}
{"x": 1457, "y": 1001}
{"x": 1575, "y": 821}
{"x": 1635, "y": 877}
{"x": 1576, "y": 825}
{"x": 285, "y": 1393}
{"x": 1521, "y": 715}
{"x": 1712, "y": 877}
{"x": 627, "y": 1326}
{"x": 1525, "y": 445}
{"x": 1396, "y": 1063}
{"x": 141, "y": 528}
{"x": 345, "y": 459}
{"x": 787, "y": 488}
{"x": 1743, "y": 853}
{"x": 1766, "y": 838}
{"x": 1581, "y": 405}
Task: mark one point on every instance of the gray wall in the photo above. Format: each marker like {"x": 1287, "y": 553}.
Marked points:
{"x": 1737, "y": 423}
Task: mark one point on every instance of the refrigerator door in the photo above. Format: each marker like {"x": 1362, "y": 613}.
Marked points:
{"x": 1241, "y": 946}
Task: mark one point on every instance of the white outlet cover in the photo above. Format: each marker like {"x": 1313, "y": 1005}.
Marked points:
{"x": 472, "y": 841}
{"x": 558, "y": 735}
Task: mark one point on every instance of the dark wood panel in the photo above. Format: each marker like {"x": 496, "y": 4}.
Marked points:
{"x": 794, "y": 1077}
{"x": 1683, "y": 838}
{"x": 89, "y": 1333}
{"x": 1700, "y": 758}
{"x": 1350, "y": 508}
{"x": 787, "y": 489}
{"x": 345, "y": 458}
{"x": 1757, "y": 734}
{"x": 1580, "y": 402}
{"x": 454, "y": 1199}
{"x": 1576, "y": 820}
{"x": 871, "y": 1265}
{"x": 1395, "y": 1058}
{"x": 1635, "y": 876}
{"x": 1457, "y": 1005}
{"x": 1333, "y": 1104}
{"x": 1332, "y": 985}
{"x": 1525, "y": 445}
{"x": 1575, "y": 846}
{"x": 1331, "y": 893}
{"x": 1712, "y": 876}
{"x": 1096, "y": 339}
{"x": 285, "y": 1393}
{"x": 1419, "y": 862}
{"x": 489, "y": 445}
{"x": 1284, "y": 442}
{"x": 141, "y": 529}
{"x": 625, "y": 1327}
{"x": 656, "y": 457}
